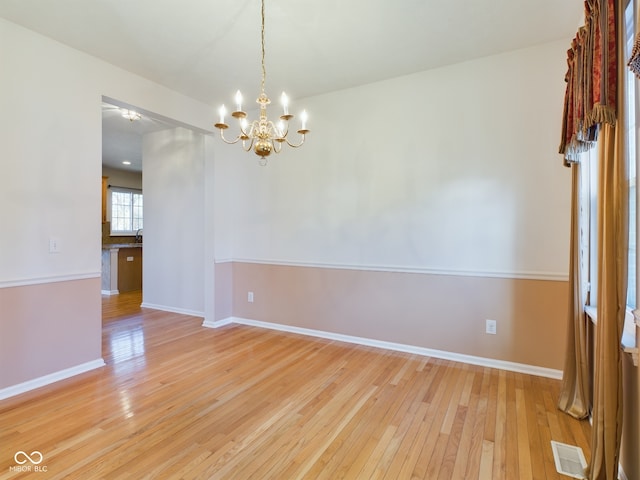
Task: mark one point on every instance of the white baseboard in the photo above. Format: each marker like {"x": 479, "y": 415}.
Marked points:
{"x": 51, "y": 378}
{"x": 217, "y": 323}
{"x": 165, "y": 308}
{"x": 110, "y": 292}
{"x": 399, "y": 347}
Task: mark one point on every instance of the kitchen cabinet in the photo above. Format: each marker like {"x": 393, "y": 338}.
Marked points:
{"x": 104, "y": 199}
{"x": 129, "y": 269}
{"x": 121, "y": 268}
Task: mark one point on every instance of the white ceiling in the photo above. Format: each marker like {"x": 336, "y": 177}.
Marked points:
{"x": 122, "y": 138}
{"x": 207, "y": 49}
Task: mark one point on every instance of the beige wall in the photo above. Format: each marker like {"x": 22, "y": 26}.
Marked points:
{"x": 442, "y": 312}
{"x": 43, "y": 332}
{"x": 122, "y": 178}
{"x": 223, "y": 291}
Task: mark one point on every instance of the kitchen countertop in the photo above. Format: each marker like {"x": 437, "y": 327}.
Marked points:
{"x": 109, "y": 246}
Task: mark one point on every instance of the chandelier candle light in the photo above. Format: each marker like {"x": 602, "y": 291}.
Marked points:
{"x": 263, "y": 135}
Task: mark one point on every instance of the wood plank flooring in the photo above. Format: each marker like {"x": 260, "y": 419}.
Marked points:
{"x": 177, "y": 400}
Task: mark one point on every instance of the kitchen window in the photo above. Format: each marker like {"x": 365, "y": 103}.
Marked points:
{"x": 126, "y": 211}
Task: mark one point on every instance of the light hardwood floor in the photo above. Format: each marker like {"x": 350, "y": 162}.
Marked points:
{"x": 177, "y": 400}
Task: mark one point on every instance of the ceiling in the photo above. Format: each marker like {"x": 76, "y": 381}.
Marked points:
{"x": 122, "y": 138}
{"x": 207, "y": 49}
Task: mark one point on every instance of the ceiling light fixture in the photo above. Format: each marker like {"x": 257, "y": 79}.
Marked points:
{"x": 131, "y": 115}
{"x": 263, "y": 135}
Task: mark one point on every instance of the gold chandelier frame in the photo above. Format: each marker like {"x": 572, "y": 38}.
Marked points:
{"x": 262, "y": 135}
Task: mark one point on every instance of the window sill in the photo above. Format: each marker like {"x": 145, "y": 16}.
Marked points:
{"x": 628, "y": 342}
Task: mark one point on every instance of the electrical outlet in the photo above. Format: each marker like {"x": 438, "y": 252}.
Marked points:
{"x": 250, "y": 297}
{"x": 491, "y": 327}
{"x": 54, "y": 245}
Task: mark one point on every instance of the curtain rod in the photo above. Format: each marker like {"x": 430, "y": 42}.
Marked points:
{"x": 125, "y": 188}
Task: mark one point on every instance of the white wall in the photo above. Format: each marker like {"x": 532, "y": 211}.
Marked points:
{"x": 50, "y": 140}
{"x": 173, "y": 162}
{"x": 50, "y": 169}
{"x": 452, "y": 170}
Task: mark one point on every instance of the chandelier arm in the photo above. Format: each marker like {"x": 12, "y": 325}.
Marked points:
{"x": 274, "y": 130}
{"x": 249, "y": 129}
{"x": 249, "y": 147}
{"x": 296, "y": 145}
{"x": 230, "y": 142}
{"x": 285, "y": 130}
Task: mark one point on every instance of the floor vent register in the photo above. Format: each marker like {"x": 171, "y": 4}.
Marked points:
{"x": 569, "y": 459}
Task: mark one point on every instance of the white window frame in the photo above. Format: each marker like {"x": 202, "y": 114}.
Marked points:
{"x": 634, "y": 92}
{"x": 633, "y": 133}
{"x": 589, "y": 202}
{"x": 128, "y": 232}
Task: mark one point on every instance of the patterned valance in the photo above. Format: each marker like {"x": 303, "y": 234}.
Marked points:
{"x": 590, "y": 97}
{"x": 634, "y": 61}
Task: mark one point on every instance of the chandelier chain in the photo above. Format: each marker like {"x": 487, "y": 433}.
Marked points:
{"x": 264, "y": 69}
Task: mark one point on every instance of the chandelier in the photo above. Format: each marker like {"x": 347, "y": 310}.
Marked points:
{"x": 262, "y": 135}
{"x": 131, "y": 115}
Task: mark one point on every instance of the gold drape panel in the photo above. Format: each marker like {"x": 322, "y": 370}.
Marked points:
{"x": 612, "y": 292}
{"x": 613, "y": 244}
{"x": 613, "y": 224}
{"x": 576, "y": 381}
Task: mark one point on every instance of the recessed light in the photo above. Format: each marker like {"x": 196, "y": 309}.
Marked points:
{"x": 126, "y": 162}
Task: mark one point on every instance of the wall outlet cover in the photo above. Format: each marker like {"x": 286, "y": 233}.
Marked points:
{"x": 491, "y": 327}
